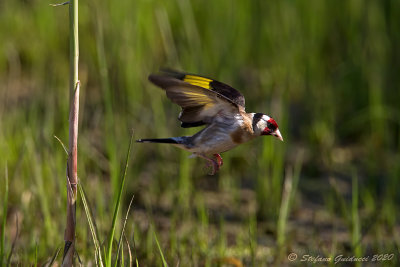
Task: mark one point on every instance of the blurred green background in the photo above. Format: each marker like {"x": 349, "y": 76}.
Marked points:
{"x": 327, "y": 71}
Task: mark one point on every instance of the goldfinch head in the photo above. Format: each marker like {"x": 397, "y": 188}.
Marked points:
{"x": 265, "y": 125}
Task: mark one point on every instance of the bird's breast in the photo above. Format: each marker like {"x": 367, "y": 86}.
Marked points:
{"x": 240, "y": 136}
{"x": 224, "y": 134}
{"x": 244, "y": 132}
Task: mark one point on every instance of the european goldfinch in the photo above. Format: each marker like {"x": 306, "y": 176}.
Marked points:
{"x": 218, "y": 106}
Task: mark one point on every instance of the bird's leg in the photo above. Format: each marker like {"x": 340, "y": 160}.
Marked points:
{"x": 211, "y": 162}
{"x": 219, "y": 159}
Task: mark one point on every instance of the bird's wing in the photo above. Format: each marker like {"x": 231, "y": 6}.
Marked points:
{"x": 229, "y": 92}
{"x": 199, "y": 105}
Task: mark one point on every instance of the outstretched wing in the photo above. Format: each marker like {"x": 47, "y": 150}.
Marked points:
{"x": 229, "y": 92}
{"x": 199, "y": 105}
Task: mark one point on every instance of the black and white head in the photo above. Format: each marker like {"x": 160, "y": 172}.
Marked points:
{"x": 265, "y": 125}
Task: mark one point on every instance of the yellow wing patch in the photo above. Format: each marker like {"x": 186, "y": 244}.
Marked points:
{"x": 198, "y": 81}
{"x": 199, "y": 98}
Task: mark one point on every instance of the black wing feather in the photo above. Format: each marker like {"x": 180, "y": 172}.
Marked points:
{"x": 226, "y": 90}
{"x": 199, "y": 105}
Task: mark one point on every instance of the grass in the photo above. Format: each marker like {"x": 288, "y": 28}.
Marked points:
{"x": 117, "y": 207}
{"x": 327, "y": 71}
{"x": 164, "y": 263}
{"x": 108, "y": 249}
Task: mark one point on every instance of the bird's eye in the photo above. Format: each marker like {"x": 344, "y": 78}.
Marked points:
{"x": 271, "y": 126}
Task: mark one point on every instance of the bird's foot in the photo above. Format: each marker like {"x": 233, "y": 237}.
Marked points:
{"x": 214, "y": 164}
{"x": 219, "y": 160}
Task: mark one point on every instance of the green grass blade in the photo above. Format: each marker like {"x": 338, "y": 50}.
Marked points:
{"x": 159, "y": 249}
{"x": 117, "y": 206}
{"x": 91, "y": 225}
{"x": 62, "y": 144}
{"x": 53, "y": 259}
{"x": 123, "y": 230}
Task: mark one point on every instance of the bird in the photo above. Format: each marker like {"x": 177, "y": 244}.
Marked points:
{"x": 215, "y": 105}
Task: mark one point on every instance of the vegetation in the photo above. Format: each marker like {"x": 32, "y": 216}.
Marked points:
{"x": 327, "y": 71}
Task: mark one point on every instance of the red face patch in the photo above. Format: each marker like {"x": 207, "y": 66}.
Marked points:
{"x": 266, "y": 131}
{"x": 272, "y": 125}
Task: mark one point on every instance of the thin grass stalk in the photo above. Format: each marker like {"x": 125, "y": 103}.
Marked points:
{"x": 165, "y": 264}
{"x": 73, "y": 48}
{"x": 53, "y": 259}
{"x": 72, "y": 164}
{"x": 117, "y": 207}
{"x": 129, "y": 251}
{"x": 72, "y": 181}
{"x": 120, "y": 242}
{"x": 92, "y": 227}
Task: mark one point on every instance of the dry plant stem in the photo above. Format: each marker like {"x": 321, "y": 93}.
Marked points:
{"x": 72, "y": 181}
{"x": 72, "y": 176}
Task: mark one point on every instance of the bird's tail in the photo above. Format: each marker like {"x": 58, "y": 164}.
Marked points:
{"x": 171, "y": 140}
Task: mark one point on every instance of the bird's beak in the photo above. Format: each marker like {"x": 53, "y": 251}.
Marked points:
{"x": 277, "y": 134}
